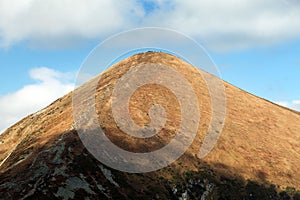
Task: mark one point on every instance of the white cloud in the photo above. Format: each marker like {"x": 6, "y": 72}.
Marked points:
{"x": 220, "y": 25}
{"x": 225, "y": 25}
{"x": 295, "y": 105}
{"x": 49, "y": 86}
{"x": 63, "y": 20}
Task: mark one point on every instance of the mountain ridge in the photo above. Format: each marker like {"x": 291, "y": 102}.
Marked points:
{"x": 238, "y": 153}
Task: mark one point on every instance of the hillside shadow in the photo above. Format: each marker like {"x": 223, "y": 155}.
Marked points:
{"x": 52, "y": 167}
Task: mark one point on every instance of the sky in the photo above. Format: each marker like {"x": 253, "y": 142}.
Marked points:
{"x": 255, "y": 44}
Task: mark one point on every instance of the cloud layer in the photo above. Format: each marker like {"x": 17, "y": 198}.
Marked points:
{"x": 295, "y": 105}
{"x": 49, "y": 86}
{"x": 235, "y": 24}
{"x": 62, "y": 20}
{"x": 221, "y": 25}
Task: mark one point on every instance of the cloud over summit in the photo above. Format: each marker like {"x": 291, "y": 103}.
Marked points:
{"x": 220, "y": 25}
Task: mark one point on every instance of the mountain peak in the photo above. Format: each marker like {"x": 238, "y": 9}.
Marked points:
{"x": 42, "y": 156}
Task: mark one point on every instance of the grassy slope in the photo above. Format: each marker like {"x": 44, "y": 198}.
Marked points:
{"x": 260, "y": 140}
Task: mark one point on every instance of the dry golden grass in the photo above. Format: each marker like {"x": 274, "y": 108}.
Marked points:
{"x": 260, "y": 140}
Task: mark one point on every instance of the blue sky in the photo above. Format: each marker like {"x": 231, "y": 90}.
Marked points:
{"x": 255, "y": 44}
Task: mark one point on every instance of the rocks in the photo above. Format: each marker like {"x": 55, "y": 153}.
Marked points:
{"x": 72, "y": 185}
{"x": 108, "y": 175}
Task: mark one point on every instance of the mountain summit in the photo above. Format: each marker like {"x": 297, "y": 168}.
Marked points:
{"x": 256, "y": 156}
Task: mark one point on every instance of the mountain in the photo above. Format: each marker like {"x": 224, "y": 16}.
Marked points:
{"x": 256, "y": 156}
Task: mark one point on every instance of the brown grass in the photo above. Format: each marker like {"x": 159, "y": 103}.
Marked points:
{"x": 260, "y": 140}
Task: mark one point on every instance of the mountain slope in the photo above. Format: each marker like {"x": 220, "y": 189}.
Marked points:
{"x": 42, "y": 156}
